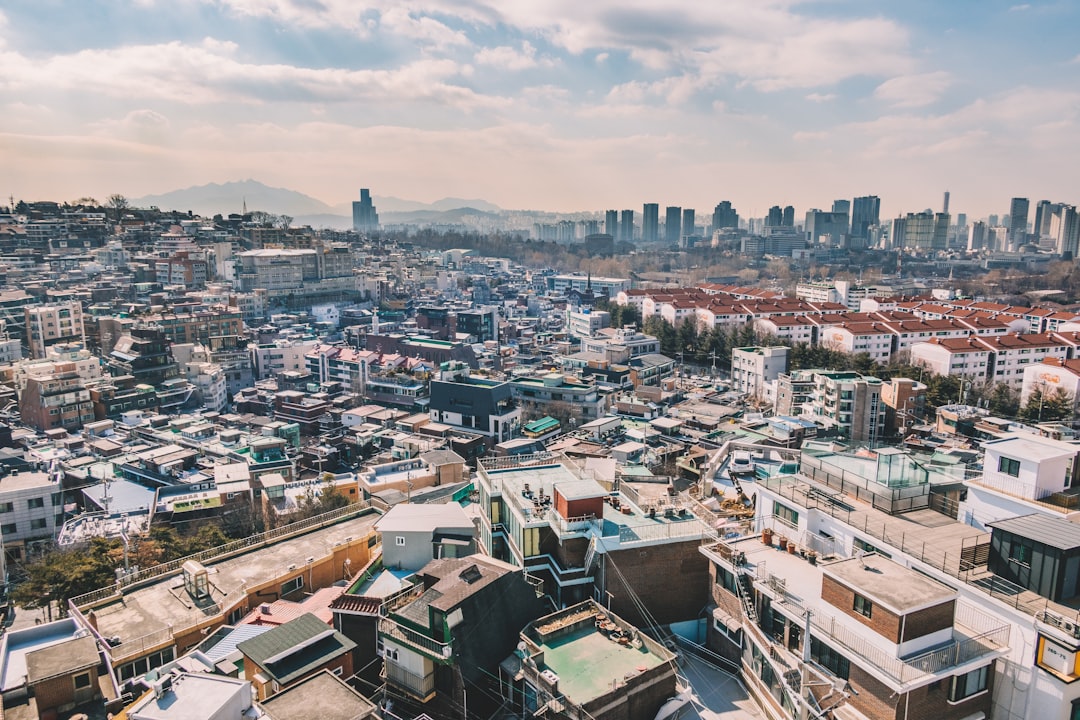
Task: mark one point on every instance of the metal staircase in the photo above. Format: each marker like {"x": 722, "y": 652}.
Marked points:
{"x": 746, "y": 596}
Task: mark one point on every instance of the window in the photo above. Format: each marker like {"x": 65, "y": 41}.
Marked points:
{"x": 339, "y": 671}
{"x": 863, "y": 606}
{"x": 57, "y": 498}
{"x": 82, "y": 681}
{"x": 292, "y": 585}
{"x": 785, "y": 513}
{"x": 35, "y": 503}
{"x": 38, "y": 524}
{"x": 968, "y": 684}
{"x": 726, "y": 580}
{"x": 399, "y": 540}
{"x": 7, "y": 507}
{"x": 1020, "y": 552}
{"x": 1009, "y": 466}
{"x": 9, "y": 529}
{"x": 829, "y": 659}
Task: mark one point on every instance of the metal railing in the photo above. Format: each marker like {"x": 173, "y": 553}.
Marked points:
{"x": 438, "y": 651}
{"x": 270, "y": 536}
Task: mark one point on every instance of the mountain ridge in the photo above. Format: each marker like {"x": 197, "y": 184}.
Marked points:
{"x": 230, "y": 197}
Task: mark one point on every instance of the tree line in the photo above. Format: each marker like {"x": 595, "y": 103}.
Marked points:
{"x": 712, "y": 347}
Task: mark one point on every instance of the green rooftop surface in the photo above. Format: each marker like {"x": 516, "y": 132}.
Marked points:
{"x": 587, "y": 662}
{"x": 542, "y": 425}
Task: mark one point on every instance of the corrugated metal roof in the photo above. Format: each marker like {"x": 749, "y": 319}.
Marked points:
{"x": 1051, "y": 531}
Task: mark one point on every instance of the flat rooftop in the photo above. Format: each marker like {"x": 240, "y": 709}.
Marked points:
{"x": 193, "y": 697}
{"x": 18, "y": 643}
{"x": 321, "y": 696}
{"x": 889, "y": 584}
{"x": 164, "y": 604}
{"x": 587, "y": 662}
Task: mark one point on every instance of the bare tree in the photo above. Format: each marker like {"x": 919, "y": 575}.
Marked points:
{"x": 118, "y": 204}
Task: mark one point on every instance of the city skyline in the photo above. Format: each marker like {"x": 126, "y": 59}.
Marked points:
{"x": 565, "y": 107}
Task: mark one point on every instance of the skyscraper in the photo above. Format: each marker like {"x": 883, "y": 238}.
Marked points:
{"x": 626, "y": 226}
{"x": 650, "y": 223}
{"x": 789, "y": 216}
{"x": 611, "y": 223}
{"x": 945, "y": 203}
{"x": 364, "y": 216}
{"x": 976, "y": 236}
{"x": 672, "y": 224}
{"x": 1065, "y": 229}
{"x": 775, "y": 217}
{"x": 1042, "y": 218}
{"x": 926, "y": 231}
{"x": 688, "y": 222}
{"x": 724, "y": 216}
{"x": 1018, "y": 216}
{"x": 865, "y": 213}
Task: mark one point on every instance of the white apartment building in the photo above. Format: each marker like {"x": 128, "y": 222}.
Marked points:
{"x": 1051, "y": 375}
{"x": 873, "y": 339}
{"x": 1020, "y": 473}
{"x": 31, "y": 511}
{"x": 1002, "y": 358}
{"x": 793, "y": 328}
{"x": 754, "y": 370}
{"x": 620, "y": 344}
{"x": 54, "y": 323}
{"x": 586, "y": 323}
{"x": 280, "y": 356}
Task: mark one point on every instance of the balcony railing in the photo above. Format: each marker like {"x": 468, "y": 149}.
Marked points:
{"x": 438, "y": 651}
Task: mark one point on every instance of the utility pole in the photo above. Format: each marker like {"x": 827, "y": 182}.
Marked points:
{"x": 804, "y": 675}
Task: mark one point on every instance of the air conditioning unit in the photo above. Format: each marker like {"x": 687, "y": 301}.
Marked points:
{"x": 292, "y": 567}
{"x": 390, "y": 654}
{"x": 1068, "y": 626}
{"x": 310, "y": 560}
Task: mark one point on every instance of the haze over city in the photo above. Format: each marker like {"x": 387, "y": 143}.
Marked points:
{"x": 560, "y": 105}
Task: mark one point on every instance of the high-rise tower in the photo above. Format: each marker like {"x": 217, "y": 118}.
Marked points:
{"x": 1018, "y": 215}
{"x": 364, "y": 216}
{"x": 650, "y": 223}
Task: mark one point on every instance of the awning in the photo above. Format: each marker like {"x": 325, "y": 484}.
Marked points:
{"x": 724, "y": 618}
{"x": 673, "y": 706}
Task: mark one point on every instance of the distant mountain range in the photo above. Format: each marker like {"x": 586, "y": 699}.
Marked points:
{"x": 230, "y": 197}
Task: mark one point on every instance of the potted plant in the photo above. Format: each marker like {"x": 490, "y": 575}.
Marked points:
{"x": 791, "y": 548}
{"x": 811, "y": 557}
{"x": 766, "y": 536}
{"x": 781, "y": 542}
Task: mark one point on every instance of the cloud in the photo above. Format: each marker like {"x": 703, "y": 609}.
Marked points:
{"x": 768, "y": 44}
{"x": 1020, "y": 8}
{"x": 821, "y": 97}
{"x": 510, "y": 58}
{"x": 914, "y": 90}
{"x": 425, "y": 30}
{"x": 209, "y": 72}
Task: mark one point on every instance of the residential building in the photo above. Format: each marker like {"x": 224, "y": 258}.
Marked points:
{"x": 626, "y": 226}
{"x": 725, "y": 217}
{"x": 755, "y": 369}
{"x": 552, "y": 392}
{"x": 1050, "y": 376}
{"x": 586, "y": 322}
{"x": 56, "y": 399}
{"x": 270, "y": 359}
{"x": 989, "y": 359}
{"x": 428, "y": 634}
{"x": 850, "y": 403}
{"x": 414, "y": 535}
{"x": 31, "y": 512}
{"x": 865, "y": 213}
{"x": 546, "y": 515}
{"x": 324, "y": 695}
{"x": 924, "y": 231}
{"x": 1022, "y": 473}
{"x": 475, "y": 404}
{"x": 905, "y": 403}
{"x": 193, "y": 696}
{"x": 53, "y": 323}
{"x": 170, "y": 611}
{"x": 619, "y": 345}
{"x": 633, "y": 682}
{"x": 290, "y": 653}
{"x": 562, "y": 284}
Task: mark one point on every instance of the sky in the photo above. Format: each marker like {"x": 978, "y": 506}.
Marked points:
{"x": 561, "y": 105}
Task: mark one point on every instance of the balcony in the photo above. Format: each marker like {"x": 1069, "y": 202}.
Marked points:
{"x": 440, "y": 652}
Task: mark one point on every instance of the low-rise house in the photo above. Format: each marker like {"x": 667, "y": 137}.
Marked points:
{"x": 290, "y": 653}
